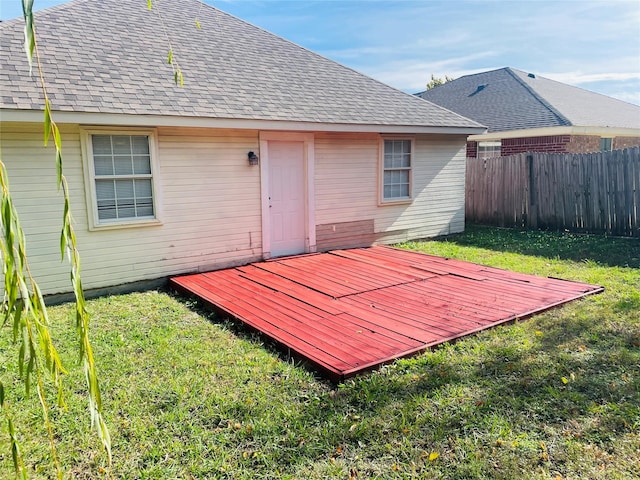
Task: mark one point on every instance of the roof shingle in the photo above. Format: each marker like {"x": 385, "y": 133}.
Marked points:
{"x": 509, "y": 99}
{"x": 110, "y": 56}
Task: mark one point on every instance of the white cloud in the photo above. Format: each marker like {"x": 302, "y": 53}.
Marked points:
{"x": 579, "y": 78}
{"x": 629, "y": 97}
{"x": 413, "y": 76}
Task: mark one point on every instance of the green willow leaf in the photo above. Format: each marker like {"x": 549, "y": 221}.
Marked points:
{"x": 28, "y": 372}
{"x": 59, "y": 168}
{"x": 29, "y": 33}
{"x": 58, "y": 143}
{"x": 22, "y": 356}
{"x": 198, "y": 24}
{"x": 18, "y": 463}
{"x": 6, "y": 216}
{"x": 17, "y": 319}
{"x": 27, "y": 7}
{"x": 63, "y": 234}
{"x": 56, "y": 136}
{"x": 47, "y": 122}
{"x": 22, "y": 285}
{"x": 170, "y": 57}
{"x": 24, "y": 305}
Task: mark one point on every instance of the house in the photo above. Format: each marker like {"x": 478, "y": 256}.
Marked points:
{"x": 525, "y": 112}
{"x": 267, "y": 150}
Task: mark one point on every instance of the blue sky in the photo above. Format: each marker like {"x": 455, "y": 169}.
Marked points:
{"x": 590, "y": 44}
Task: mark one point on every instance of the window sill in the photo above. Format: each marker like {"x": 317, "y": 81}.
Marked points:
{"x": 400, "y": 201}
{"x": 126, "y": 224}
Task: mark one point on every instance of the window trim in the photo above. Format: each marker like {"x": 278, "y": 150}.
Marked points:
{"x": 90, "y": 178}
{"x": 493, "y": 143}
{"x": 381, "y": 171}
{"x": 606, "y": 148}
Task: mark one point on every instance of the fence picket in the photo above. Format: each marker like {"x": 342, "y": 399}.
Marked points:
{"x": 598, "y": 192}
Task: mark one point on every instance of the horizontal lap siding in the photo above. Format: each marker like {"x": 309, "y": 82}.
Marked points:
{"x": 346, "y": 177}
{"x": 210, "y": 200}
{"x": 347, "y": 186}
{"x": 32, "y": 180}
{"x": 211, "y": 194}
{"x": 345, "y": 190}
{"x": 438, "y": 187}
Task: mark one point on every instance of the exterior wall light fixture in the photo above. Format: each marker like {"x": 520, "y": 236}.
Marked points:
{"x": 253, "y": 158}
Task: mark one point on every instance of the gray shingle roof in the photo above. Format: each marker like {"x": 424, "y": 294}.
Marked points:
{"x": 110, "y": 56}
{"x": 509, "y": 99}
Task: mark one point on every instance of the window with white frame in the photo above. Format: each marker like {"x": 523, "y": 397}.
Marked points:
{"x": 489, "y": 149}
{"x": 122, "y": 183}
{"x": 606, "y": 144}
{"x": 396, "y": 169}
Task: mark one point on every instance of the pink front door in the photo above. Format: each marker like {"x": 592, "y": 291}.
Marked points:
{"x": 287, "y": 204}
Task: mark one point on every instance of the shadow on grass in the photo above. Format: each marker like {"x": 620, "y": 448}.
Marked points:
{"x": 575, "y": 378}
{"x": 603, "y": 250}
{"x": 242, "y": 330}
{"x": 565, "y": 386}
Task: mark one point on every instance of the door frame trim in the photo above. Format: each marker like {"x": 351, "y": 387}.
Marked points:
{"x": 309, "y": 174}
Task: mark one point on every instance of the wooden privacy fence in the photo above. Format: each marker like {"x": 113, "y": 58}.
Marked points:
{"x": 585, "y": 192}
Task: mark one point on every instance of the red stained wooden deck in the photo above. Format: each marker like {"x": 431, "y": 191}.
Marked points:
{"x": 349, "y": 311}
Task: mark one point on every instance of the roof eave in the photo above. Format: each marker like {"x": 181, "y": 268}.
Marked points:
{"x": 121, "y": 120}
{"x": 548, "y": 131}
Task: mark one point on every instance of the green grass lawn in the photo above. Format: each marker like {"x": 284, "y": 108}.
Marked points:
{"x": 188, "y": 395}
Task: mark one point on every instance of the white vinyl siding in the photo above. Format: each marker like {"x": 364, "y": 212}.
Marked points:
{"x": 211, "y": 202}
{"x": 210, "y": 207}
{"x": 396, "y": 170}
{"x": 346, "y": 188}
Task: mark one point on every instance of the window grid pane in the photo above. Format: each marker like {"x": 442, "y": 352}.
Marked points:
{"x": 142, "y": 164}
{"x": 124, "y": 187}
{"x": 606, "y": 144}
{"x": 489, "y": 150}
{"x": 103, "y": 164}
{"x": 397, "y": 169}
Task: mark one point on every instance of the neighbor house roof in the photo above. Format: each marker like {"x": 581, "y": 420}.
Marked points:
{"x": 110, "y": 57}
{"x": 510, "y": 99}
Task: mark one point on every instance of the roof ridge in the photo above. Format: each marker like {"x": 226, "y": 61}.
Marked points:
{"x": 335, "y": 62}
{"x": 37, "y": 13}
{"x": 236, "y": 70}
{"x": 564, "y": 120}
{"x": 450, "y": 111}
{"x": 483, "y": 72}
{"x": 583, "y": 89}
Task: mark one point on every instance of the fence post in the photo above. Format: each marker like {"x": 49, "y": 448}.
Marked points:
{"x": 532, "y": 219}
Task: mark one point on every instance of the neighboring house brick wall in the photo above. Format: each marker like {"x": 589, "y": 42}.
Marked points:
{"x": 554, "y": 143}
{"x": 583, "y": 144}
{"x": 625, "y": 142}
{"x": 472, "y": 149}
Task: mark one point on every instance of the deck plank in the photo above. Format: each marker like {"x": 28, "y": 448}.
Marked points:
{"x": 348, "y": 311}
